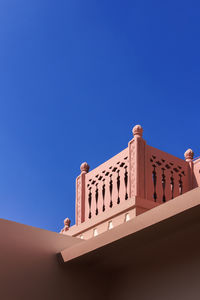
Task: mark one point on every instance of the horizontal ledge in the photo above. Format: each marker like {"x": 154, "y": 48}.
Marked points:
{"x": 147, "y": 219}
{"x": 111, "y": 213}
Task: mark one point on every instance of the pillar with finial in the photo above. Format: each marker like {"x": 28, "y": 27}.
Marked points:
{"x": 137, "y": 157}
{"x": 66, "y": 225}
{"x": 189, "y": 155}
{"x": 80, "y": 194}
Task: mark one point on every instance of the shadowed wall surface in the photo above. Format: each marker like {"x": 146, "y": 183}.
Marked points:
{"x": 166, "y": 269}
{"x": 30, "y": 268}
{"x": 160, "y": 262}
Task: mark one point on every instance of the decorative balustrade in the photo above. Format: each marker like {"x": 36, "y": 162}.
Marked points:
{"x": 135, "y": 180}
{"x": 170, "y": 176}
{"x": 107, "y": 185}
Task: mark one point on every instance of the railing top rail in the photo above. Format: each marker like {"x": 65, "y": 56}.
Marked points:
{"x": 108, "y": 162}
{"x": 166, "y": 154}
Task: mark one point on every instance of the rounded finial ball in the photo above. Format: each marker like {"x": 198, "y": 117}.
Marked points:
{"x": 84, "y": 167}
{"x": 137, "y": 130}
{"x": 67, "y": 222}
{"x": 189, "y": 154}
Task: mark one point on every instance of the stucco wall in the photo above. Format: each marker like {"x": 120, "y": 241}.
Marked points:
{"x": 29, "y": 268}
{"x": 169, "y": 269}
{"x": 160, "y": 262}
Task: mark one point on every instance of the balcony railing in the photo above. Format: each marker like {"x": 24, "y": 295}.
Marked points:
{"x": 106, "y": 186}
{"x": 135, "y": 180}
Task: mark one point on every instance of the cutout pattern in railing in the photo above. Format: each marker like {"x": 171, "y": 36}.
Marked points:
{"x": 107, "y": 186}
{"x": 169, "y": 177}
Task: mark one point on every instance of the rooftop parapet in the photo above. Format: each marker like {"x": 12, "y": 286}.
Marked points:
{"x": 137, "y": 179}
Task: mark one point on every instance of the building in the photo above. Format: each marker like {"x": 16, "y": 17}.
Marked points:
{"x": 135, "y": 237}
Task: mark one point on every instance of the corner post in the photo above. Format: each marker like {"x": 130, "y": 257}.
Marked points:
{"x": 80, "y": 194}
{"x": 189, "y": 155}
{"x": 67, "y": 222}
{"x": 137, "y": 159}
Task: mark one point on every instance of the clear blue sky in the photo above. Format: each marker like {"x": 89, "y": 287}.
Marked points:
{"x": 75, "y": 77}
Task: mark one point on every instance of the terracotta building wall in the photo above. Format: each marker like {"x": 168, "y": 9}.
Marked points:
{"x": 166, "y": 270}
{"x": 29, "y": 268}
{"x": 162, "y": 263}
